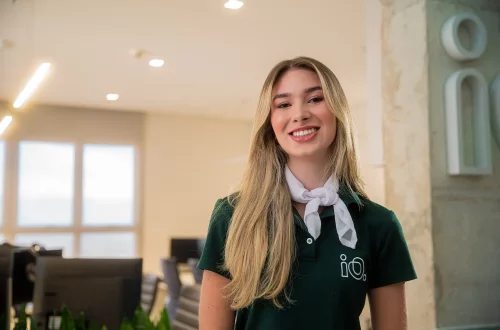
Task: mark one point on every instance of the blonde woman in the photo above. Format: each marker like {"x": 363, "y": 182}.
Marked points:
{"x": 300, "y": 245}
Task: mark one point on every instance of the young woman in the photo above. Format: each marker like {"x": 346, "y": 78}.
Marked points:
{"x": 300, "y": 245}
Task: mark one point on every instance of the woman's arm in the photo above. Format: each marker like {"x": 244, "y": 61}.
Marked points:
{"x": 388, "y": 307}
{"x": 215, "y": 312}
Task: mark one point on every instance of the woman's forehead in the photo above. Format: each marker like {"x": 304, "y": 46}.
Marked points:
{"x": 296, "y": 81}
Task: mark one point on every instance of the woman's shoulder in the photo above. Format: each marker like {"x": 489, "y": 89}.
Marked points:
{"x": 223, "y": 211}
{"x": 390, "y": 254}
{"x": 378, "y": 216}
{"x": 225, "y": 205}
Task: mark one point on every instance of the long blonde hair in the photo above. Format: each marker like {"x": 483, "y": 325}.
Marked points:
{"x": 260, "y": 247}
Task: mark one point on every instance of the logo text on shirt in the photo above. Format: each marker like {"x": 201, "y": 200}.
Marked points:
{"x": 354, "y": 268}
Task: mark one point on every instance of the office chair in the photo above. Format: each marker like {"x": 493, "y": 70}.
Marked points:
{"x": 187, "y": 311}
{"x": 197, "y": 273}
{"x": 173, "y": 282}
{"x": 149, "y": 290}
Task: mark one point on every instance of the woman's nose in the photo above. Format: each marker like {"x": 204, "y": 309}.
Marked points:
{"x": 301, "y": 113}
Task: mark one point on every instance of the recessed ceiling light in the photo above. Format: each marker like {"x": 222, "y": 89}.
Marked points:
{"x": 5, "y": 123}
{"x": 32, "y": 85}
{"x": 156, "y": 63}
{"x": 112, "y": 97}
{"x": 234, "y": 4}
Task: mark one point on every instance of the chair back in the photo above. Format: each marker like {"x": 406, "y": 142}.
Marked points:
{"x": 172, "y": 280}
{"x": 187, "y": 312}
{"x": 149, "y": 290}
{"x": 197, "y": 273}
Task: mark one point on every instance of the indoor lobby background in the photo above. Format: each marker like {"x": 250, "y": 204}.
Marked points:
{"x": 121, "y": 175}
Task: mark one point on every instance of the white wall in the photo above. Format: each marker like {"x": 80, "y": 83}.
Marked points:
{"x": 189, "y": 163}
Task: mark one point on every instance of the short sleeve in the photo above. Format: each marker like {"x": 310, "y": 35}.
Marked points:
{"x": 391, "y": 259}
{"x": 212, "y": 257}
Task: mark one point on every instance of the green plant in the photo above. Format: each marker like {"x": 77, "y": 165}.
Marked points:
{"x": 67, "y": 322}
{"x": 22, "y": 321}
{"x": 33, "y": 324}
{"x": 164, "y": 323}
{"x": 80, "y": 322}
{"x": 140, "y": 321}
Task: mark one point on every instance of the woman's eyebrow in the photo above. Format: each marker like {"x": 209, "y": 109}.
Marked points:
{"x": 306, "y": 91}
{"x": 312, "y": 89}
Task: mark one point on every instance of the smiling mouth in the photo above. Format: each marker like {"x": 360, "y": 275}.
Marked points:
{"x": 304, "y": 132}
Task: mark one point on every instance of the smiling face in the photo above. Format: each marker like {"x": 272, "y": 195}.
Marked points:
{"x": 303, "y": 124}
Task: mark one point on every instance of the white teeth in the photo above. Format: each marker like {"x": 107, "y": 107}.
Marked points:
{"x": 306, "y": 132}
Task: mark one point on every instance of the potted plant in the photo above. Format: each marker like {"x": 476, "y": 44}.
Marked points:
{"x": 140, "y": 321}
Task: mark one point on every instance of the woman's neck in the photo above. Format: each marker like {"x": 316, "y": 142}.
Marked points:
{"x": 309, "y": 172}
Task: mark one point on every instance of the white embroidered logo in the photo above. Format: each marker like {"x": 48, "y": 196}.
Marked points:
{"x": 354, "y": 268}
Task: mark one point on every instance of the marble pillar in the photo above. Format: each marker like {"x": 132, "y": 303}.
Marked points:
{"x": 397, "y": 71}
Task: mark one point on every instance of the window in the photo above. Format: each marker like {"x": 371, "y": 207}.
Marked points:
{"x": 2, "y": 176}
{"x": 63, "y": 241}
{"x": 116, "y": 245}
{"x": 78, "y": 197}
{"x": 108, "y": 185}
{"x": 46, "y": 178}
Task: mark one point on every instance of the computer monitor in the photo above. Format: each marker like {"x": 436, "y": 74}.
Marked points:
{"x": 50, "y": 253}
{"x": 23, "y": 272}
{"x": 185, "y": 248}
{"x": 105, "y": 290}
{"x": 5, "y": 285}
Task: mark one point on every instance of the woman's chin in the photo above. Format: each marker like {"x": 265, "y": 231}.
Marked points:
{"x": 307, "y": 154}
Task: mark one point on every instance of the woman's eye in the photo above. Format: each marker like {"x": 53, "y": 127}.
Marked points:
{"x": 283, "y": 105}
{"x": 316, "y": 99}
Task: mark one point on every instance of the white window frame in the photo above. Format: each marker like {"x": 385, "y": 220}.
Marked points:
{"x": 10, "y": 228}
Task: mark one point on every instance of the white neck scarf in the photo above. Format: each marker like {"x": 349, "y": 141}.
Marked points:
{"x": 324, "y": 196}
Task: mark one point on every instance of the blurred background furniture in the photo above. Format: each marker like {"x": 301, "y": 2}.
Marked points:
{"x": 187, "y": 312}
{"x": 185, "y": 248}
{"x": 149, "y": 290}
{"x": 197, "y": 273}
{"x": 173, "y": 282}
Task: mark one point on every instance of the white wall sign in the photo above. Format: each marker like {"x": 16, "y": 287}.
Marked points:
{"x": 485, "y": 121}
{"x": 455, "y": 125}
{"x": 451, "y": 39}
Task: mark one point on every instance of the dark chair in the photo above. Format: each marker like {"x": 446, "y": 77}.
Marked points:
{"x": 149, "y": 290}
{"x": 173, "y": 282}
{"x": 197, "y": 273}
{"x": 187, "y": 312}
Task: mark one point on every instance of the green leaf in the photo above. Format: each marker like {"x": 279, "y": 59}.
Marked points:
{"x": 32, "y": 323}
{"x": 67, "y": 322}
{"x": 160, "y": 326}
{"x": 94, "y": 326}
{"x": 164, "y": 323}
{"x": 22, "y": 321}
{"x": 126, "y": 325}
{"x": 141, "y": 320}
{"x": 80, "y": 322}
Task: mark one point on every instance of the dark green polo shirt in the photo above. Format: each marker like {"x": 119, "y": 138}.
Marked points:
{"x": 329, "y": 280}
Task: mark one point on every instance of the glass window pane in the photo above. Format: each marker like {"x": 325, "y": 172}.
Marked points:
{"x": 46, "y": 181}
{"x": 2, "y": 176}
{"x": 108, "y": 185}
{"x": 2, "y": 239}
{"x": 49, "y": 241}
{"x": 107, "y": 245}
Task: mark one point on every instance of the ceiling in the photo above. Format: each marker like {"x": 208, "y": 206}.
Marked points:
{"x": 215, "y": 59}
